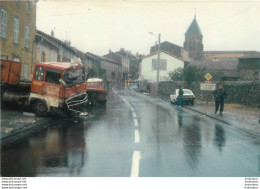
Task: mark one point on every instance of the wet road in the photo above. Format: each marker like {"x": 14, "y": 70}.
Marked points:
{"x": 134, "y": 135}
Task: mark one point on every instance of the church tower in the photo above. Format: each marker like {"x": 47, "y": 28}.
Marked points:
{"x": 193, "y": 41}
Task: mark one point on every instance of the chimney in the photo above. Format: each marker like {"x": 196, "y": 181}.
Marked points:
{"x": 52, "y": 33}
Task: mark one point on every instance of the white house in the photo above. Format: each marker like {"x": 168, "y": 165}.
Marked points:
{"x": 168, "y": 63}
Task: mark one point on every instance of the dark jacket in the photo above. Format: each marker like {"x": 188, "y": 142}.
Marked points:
{"x": 220, "y": 94}
{"x": 181, "y": 92}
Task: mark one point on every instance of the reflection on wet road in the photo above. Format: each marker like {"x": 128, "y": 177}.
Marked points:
{"x": 171, "y": 142}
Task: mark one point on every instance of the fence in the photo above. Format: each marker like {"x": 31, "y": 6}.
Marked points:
{"x": 239, "y": 92}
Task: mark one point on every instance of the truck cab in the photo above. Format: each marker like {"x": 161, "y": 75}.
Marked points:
{"x": 96, "y": 91}
{"x": 58, "y": 86}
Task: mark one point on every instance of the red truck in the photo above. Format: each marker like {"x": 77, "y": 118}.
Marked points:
{"x": 96, "y": 91}
{"x": 56, "y": 87}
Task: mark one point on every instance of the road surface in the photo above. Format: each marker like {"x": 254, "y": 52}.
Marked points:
{"x": 134, "y": 136}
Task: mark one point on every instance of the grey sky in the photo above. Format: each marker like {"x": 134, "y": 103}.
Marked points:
{"x": 97, "y": 26}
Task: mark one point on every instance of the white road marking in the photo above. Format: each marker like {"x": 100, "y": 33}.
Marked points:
{"x": 134, "y": 114}
{"x": 135, "y": 164}
{"x": 137, "y": 136}
{"x": 136, "y": 122}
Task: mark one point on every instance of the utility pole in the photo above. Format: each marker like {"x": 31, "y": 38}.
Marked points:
{"x": 158, "y": 61}
{"x": 158, "y": 64}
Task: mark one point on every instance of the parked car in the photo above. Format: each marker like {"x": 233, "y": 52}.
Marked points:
{"x": 188, "y": 96}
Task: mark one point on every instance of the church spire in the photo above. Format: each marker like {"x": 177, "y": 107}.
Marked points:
{"x": 194, "y": 27}
{"x": 193, "y": 40}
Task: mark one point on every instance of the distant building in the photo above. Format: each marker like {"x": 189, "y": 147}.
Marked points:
{"x": 227, "y": 66}
{"x": 120, "y": 59}
{"x": 17, "y": 34}
{"x": 227, "y": 54}
{"x": 249, "y": 67}
{"x": 46, "y": 49}
{"x": 172, "y": 49}
{"x": 168, "y": 63}
{"x": 108, "y": 70}
{"x": 234, "y": 65}
{"x": 133, "y": 60}
{"x": 66, "y": 53}
{"x": 193, "y": 41}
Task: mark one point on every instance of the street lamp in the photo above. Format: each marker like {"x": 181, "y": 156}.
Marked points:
{"x": 158, "y": 61}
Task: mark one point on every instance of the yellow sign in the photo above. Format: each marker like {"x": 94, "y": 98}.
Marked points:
{"x": 208, "y": 76}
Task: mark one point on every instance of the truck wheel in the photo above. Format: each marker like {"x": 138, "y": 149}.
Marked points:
{"x": 40, "y": 108}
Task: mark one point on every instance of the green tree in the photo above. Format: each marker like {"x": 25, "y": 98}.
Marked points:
{"x": 192, "y": 74}
{"x": 216, "y": 74}
{"x": 176, "y": 75}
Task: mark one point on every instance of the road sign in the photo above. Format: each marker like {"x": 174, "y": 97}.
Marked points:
{"x": 208, "y": 76}
{"x": 207, "y": 86}
{"x": 208, "y": 82}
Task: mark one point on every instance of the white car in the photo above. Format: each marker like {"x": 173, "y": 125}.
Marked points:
{"x": 188, "y": 96}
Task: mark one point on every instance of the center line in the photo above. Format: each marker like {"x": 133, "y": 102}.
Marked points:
{"x": 137, "y": 136}
{"x": 134, "y": 114}
{"x": 136, "y": 122}
{"x": 135, "y": 164}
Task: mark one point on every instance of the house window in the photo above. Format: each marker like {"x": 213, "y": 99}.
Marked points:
{"x": 113, "y": 75}
{"x": 15, "y": 58}
{"x": 16, "y": 30}
{"x": 3, "y": 23}
{"x": 27, "y": 37}
{"x": 25, "y": 70}
{"x": 28, "y": 6}
{"x": 3, "y": 57}
{"x": 18, "y": 2}
{"x": 43, "y": 57}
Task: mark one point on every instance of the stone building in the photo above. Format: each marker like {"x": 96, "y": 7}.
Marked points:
{"x": 17, "y": 34}
{"x": 193, "y": 41}
{"x": 249, "y": 67}
{"x": 67, "y": 53}
{"x": 108, "y": 70}
{"x": 133, "y": 60}
{"x": 120, "y": 59}
{"x": 46, "y": 49}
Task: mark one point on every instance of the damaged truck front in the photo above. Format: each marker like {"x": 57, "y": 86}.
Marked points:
{"x": 56, "y": 87}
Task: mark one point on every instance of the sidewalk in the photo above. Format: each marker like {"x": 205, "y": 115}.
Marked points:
{"x": 15, "y": 121}
{"x": 245, "y": 119}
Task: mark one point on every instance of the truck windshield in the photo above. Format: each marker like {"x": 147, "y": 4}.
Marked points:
{"x": 73, "y": 77}
{"x": 94, "y": 84}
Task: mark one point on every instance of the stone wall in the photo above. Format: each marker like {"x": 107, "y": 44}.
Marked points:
{"x": 239, "y": 92}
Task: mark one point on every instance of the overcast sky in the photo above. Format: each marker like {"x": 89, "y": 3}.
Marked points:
{"x": 97, "y": 26}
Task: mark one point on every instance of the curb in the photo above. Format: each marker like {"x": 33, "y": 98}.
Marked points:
{"x": 223, "y": 121}
{"x": 25, "y": 128}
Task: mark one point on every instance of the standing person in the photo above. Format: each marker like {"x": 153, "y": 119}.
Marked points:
{"x": 180, "y": 95}
{"x": 220, "y": 95}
